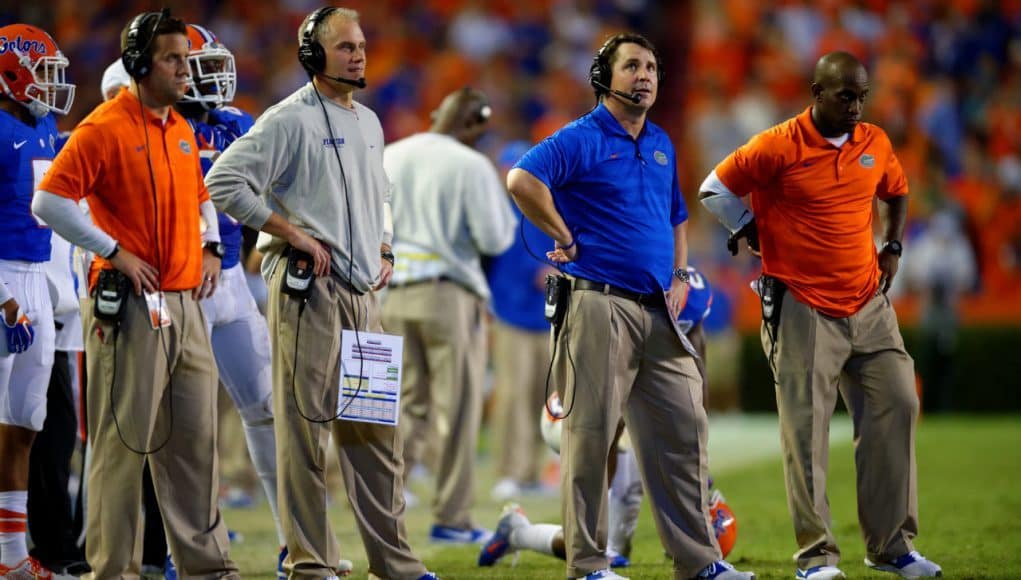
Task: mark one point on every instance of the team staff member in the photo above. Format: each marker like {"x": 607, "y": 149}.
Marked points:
{"x": 284, "y": 177}
{"x": 520, "y": 353}
{"x": 813, "y": 180}
{"x": 449, "y": 209}
{"x": 32, "y": 88}
{"x": 136, "y": 161}
{"x": 605, "y": 189}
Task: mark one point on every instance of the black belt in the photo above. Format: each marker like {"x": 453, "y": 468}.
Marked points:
{"x": 433, "y": 280}
{"x": 650, "y": 299}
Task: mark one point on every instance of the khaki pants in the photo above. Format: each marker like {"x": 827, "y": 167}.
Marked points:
{"x": 304, "y": 402}
{"x": 164, "y": 383}
{"x": 520, "y": 366}
{"x": 443, "y": 326}
{"x": 865, "y": 354}
{"x": 617, "y": 358}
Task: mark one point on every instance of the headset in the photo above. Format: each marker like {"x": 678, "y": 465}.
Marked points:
{"x": 600, "y": 75}
{"x": 136, "y": 57}
{"x": 311, "y": 54}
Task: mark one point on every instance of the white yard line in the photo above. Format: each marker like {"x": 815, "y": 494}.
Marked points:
{"x": 738, "y": 440}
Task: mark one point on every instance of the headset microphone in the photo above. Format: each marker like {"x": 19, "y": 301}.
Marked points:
{"x": 360, "y": 83}
{"x": 633, "y": 97}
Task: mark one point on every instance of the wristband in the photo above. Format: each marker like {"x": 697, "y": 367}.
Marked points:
{"x": 116, "y": 249}
{"x": 388, "y": 256}
{"x": 573, "y": 243}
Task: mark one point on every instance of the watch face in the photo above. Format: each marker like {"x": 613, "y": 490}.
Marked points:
{"x": 217, "y": 249}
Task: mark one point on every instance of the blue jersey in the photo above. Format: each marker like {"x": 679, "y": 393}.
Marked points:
{"x": 619, "y": 196}
{"x": 26, "y": 152}
{"x": 700, "y": 301}
{"x": 518, "y": 296}
{"x": 225, "y": 125}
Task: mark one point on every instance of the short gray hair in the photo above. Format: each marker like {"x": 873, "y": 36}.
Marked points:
{"x": 317, "y": 32}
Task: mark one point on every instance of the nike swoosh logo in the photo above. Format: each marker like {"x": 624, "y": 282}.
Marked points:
{"x": 18, "y": 145}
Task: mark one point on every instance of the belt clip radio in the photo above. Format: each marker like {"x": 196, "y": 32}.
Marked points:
{"x": 771, "y": 291}
{"x": 297, "y": 280}
{"x": 558, "y": 288}
{"x": 112, "y": 288}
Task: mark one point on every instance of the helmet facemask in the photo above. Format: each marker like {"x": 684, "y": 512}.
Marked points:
{"x": 213, "y": 77}
{"x": 48, "y": 90}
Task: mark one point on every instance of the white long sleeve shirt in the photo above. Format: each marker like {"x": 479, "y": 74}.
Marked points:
{"x": 449, "y": 207}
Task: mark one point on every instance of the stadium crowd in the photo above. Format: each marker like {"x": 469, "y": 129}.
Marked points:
{"x": 945, "y": 86}
{"x": 945, "y": 76}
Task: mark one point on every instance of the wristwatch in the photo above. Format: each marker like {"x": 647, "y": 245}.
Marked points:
{"x": 893, "y": 248}
{"x": 388, "y": 256}
{"x": 216, "y": 248}
{"x": 683, "y": 275}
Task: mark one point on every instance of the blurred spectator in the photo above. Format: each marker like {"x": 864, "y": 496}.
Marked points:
{"x": 940, "y": 265}
{"x": 521, "y": 356}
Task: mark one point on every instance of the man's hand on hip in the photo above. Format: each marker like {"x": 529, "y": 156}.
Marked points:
{"x": 143, "y": 275}
{"x": 299, "y": 240}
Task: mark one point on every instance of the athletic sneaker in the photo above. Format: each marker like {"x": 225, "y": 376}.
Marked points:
{"x": 721, "y": 570}
{"x": 617, "y": 560}
{"x": 31, "y": 569}
{"x": 604, "y": 574}
{"x": 150, "y": 572}
{"x": 820, "y": 573}
{"x": 511, "y": 518}
{"x": 169, "y": 570}
{"x": 452, "y": 535}
{"x": 910, "y": 565}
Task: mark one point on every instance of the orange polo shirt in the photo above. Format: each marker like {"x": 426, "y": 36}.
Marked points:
{"x": 105, "y": 162}
{"x": 813, "y": 208}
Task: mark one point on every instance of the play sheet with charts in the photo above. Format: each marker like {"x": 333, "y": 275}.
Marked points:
{"x": 370, "y": 377}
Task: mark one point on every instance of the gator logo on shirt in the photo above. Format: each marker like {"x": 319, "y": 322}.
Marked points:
{"x": 185, "y": 146}
{"x": 867, "y": 161}
{"x": 660, "y": 157}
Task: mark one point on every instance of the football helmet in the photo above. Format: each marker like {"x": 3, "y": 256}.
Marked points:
{"x": 213, "y": 76}
{"x": 549, "y": 423}
{"x": 724, "y": 522}
{"x": 32, "y": 70}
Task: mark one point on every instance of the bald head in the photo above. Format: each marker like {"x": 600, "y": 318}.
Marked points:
{"x": 463, "y": 114}
{"x": 836, "y": 66}
{"x": 839, "y": 87}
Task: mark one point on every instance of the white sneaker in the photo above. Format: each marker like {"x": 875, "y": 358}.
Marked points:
{"x": 910, "y": 565}
{"x": 820, "y": 573}
{"x": 604, "y": 574}
{"x": 505, "y": 489}
{"x": 722, "y": 570}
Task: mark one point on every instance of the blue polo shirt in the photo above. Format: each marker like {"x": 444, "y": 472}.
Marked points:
{"x": 619, "y": 196}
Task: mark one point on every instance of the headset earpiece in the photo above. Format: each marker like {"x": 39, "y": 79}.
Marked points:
{"x": 137, "y": 56}
{"x": 310, "y": 53}
{"x": 600, "y": 73}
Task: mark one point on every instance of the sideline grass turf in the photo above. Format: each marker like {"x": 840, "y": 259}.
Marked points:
{"x": 969, "y": 471}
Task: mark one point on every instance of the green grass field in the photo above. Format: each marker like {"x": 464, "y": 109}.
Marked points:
{"x": 969, "y": 469}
